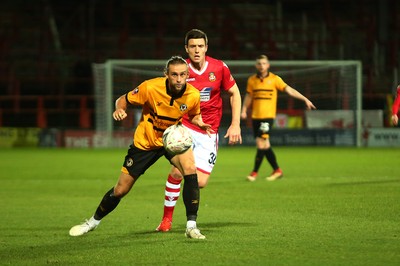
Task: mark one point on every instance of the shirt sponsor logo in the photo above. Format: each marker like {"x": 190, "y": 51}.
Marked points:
{"x": 205, "y": 94}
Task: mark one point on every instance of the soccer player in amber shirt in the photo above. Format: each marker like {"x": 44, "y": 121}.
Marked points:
{"x": 262, "y": 94}
{"x": 211, "y": 77}
{"x": 164, "y": 102}
{"x": 395, "y": 107}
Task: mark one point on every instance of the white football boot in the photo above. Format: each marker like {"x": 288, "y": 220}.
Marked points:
{"x": 194, "y": 233}
{"x": 81, "y": 229}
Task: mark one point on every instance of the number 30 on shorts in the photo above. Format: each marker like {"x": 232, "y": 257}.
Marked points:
{"x": 212, "y": 159}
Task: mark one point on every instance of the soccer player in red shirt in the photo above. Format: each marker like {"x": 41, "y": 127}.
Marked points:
{"x": 395, "y": 107}
{"x": 211, "y": 77}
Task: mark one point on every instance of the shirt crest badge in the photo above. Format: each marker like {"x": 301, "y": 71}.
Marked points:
{"x": 183, "y": 107}
{"x": 135, "y": 91}
{"x": 211, "y": 76}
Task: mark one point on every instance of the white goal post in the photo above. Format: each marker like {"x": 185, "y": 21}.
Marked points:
{"x": 335, "y": 87}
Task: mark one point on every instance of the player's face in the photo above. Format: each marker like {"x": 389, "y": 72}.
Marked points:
{"x": 262, "y": 65}
{"x": 196, "y": 49}
{"x": 177, "y": 75}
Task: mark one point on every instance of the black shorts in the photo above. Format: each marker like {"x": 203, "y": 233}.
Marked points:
{"x": 262, "y": 127}
{"x": 137, "y": 161}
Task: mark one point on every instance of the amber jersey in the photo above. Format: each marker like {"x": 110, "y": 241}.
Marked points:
{"x": 211, "y": 81}
{"x": 160, "y": 110}
{"x": 264, "y": 94}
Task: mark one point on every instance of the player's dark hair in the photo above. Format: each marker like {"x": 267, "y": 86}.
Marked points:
{"x": 195, "y": 34}
{"x": 174, "y": 60}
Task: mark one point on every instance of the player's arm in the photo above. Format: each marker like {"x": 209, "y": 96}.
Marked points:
{"x": 295, "y": 94}
{"x": 234, "y": 132}
{"x": 395, "y": 119}
{"x": 121, "y": 104}
{"x": 395, "y": 108}
{"x": 198, "y": 121}
{"x": 246, "y": 104}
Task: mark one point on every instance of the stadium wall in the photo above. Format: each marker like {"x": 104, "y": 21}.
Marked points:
{"x": 54, "y": 138}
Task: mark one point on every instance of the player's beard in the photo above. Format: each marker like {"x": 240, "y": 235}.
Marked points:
{"x": 176, "y": 89}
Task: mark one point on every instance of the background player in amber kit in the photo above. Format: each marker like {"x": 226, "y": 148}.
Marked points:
{"x": 211, "y": 77}
{"x": 164, "y": 102}
{"x": 395, "y": 107}
{"x": 262, "y": 95}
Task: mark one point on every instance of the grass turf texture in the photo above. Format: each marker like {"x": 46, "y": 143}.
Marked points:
{"x": 334, "y": 206}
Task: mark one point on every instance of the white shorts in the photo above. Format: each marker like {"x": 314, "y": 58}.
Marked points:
{"x": 205, "y": 150}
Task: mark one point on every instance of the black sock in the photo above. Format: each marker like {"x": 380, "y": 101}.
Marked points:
{"x": 258, "y": 160}
{"x": 270, "y": 155}
{"x": 107, "y": 205}
{"x": 191, "y": 196}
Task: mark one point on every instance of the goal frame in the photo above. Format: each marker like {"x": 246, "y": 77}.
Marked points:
{"x": 107, "y": 102}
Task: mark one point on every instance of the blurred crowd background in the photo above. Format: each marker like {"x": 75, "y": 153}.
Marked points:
{"x": 47, "y": 47}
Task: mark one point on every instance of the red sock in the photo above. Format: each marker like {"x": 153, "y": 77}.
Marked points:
{"x": 172, "y": 192}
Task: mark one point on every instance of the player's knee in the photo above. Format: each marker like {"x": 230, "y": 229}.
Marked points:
{"x": 263, "y": 143}
{"x": 202, "y": 180}
{"x": 189, "y": 169}
{"x": 119, "y": 192}
{"x": 175, "y": 174}
{"x": 202, "y": 183}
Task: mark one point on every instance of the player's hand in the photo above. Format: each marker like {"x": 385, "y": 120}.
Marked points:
{"x": 198, "y": 121}
{"x": 234, "y": 135}
{"x": 310, "y": 105}
{"x": 119, "y": 114}
{"x": 207, "y": 128}
{"x": 243, "y": 115}
{"x": 395, "y": 120}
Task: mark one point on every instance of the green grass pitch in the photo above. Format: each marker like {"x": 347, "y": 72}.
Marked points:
{"x": 334, "y": 206}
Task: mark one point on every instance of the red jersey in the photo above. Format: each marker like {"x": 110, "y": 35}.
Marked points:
{"x": 396, "y": 104}
{"x": 214, "y": 78}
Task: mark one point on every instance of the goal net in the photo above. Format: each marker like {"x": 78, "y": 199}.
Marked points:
{"x": 333, "y": 86}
